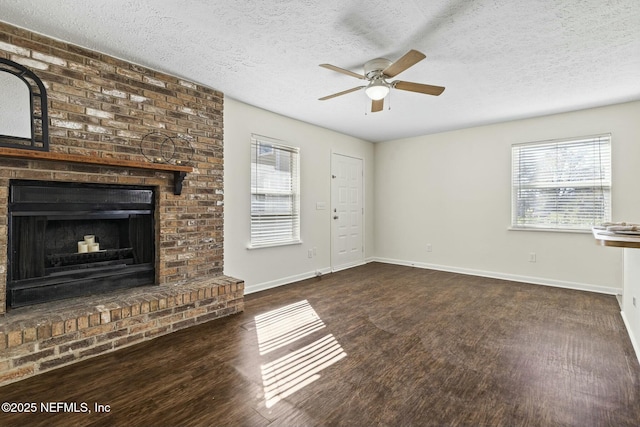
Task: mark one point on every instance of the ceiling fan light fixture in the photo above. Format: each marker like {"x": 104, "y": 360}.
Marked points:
{"x": 377, "y": 89}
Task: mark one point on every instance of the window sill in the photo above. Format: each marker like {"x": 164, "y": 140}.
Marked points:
{"x": 555, "y": 230}
{"x": 273, "y": 245}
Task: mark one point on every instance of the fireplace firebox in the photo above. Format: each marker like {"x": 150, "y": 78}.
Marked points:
{"x": 47, "y": 220}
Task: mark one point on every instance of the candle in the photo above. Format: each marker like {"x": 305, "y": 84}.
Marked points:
{"x": 94, "y": 247}
{"x": 90, "y": 238}
{"x": 82, "y": 247}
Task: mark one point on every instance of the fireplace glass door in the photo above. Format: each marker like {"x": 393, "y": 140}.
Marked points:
{"x": 68, "y": 240}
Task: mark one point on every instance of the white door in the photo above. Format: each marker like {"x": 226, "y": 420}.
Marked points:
{"x": 347, "y": 212}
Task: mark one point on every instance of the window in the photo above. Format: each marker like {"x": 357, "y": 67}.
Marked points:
{"x": 275, "y": 193}
{"x": 563, "y": 184}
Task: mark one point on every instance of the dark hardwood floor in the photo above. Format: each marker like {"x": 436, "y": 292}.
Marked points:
{"x": 373, "y": 345}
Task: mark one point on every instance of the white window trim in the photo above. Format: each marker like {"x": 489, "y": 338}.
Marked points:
{"x": 585, "y": 230}
{"x": 296, "y": 240}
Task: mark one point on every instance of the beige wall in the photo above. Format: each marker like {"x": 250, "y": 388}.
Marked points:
{"x": 452, "y": 190}
{"x": 268, "y": 267}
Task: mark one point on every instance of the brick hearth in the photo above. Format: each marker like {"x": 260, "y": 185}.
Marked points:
{"x": 40, "y": 338}
{"x": 101, "y": 107}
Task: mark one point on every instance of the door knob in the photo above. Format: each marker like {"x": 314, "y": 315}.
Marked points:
{"x": 335, "y": 217}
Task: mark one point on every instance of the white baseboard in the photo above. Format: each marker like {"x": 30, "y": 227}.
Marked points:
{"x": 284, "y": 281}
{"x": 249, "y": 289}
{"x": 472, "y": 272}
{"x": 634, "y": 343}
{"x": 505, "y": 276}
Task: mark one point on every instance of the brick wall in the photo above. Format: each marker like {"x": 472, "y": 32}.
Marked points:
{"x": 100, "y": 106}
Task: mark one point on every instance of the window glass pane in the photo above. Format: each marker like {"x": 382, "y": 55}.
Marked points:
{"x": 562, "y": 184}
{"x": 275, "y": 201}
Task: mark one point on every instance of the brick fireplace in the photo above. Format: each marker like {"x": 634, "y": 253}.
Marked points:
{"x": 101, "y": 107}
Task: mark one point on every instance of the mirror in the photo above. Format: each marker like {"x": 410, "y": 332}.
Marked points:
{"x": 15, "y": 107}
{"x": 23, "y": 108}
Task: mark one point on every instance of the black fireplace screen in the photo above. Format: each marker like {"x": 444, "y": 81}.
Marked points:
{"x": 68, "y": 240}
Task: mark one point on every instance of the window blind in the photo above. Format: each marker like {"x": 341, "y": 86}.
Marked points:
{"x": 275, "y": 187}
{"x": 563, "y": 184}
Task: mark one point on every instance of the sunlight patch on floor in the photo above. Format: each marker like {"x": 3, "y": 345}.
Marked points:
{"x": 293, "y": 371}
{"x": 285, "y": 325}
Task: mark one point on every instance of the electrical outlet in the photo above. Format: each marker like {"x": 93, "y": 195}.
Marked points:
{"x": 429, "y": 247}
{"x": 310, "y": 253}
{"x": 532, "y": 257}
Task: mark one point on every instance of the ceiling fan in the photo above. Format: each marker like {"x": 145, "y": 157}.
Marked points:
{"x": 378, "y": 71}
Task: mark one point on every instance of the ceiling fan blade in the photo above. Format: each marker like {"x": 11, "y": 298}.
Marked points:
{"x": 344, "y": 92}
{"x": 377, "y": 105}
{"x": 343, "y": 71}
{"x": 409, "y": 59}
{"x": 418, "y": 87}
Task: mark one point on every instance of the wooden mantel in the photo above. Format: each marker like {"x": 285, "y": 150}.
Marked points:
{"x": 608, "y": 238}
{"x": 179, "y": 171}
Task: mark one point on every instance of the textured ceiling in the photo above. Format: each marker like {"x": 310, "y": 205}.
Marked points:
{"x": 499, "y": 60}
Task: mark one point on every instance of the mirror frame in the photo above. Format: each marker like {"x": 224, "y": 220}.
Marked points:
{"x": 39, "y": 115}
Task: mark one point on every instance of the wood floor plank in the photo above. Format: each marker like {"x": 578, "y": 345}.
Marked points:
{"x": 373, "y": 345}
